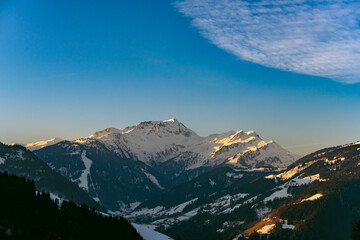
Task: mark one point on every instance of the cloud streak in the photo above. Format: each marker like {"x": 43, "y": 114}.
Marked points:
{"x": 317, "y": 37}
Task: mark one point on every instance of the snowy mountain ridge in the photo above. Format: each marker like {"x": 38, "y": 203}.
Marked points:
{"x": 41, "y": 144}
{"x": 121, "y": 168}
{"x": 155, "y": 142}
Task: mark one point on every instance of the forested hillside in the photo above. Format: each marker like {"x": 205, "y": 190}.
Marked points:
{"x": 327, "y": 207}
{"x": 27, "y": 214}
{"x": 22, "y": 162}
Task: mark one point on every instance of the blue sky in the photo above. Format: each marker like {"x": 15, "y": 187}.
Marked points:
{"x": 288, "y": 72}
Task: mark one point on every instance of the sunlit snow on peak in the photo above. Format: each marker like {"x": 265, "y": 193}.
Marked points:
{"x": 42, "y": 144}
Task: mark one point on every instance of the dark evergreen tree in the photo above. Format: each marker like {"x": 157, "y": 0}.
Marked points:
{"x": 355, "y": 234}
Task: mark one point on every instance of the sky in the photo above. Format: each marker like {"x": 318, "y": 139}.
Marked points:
{"x": 289, "y": 70}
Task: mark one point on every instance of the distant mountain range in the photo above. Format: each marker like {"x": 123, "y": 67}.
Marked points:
{"x": 225, "y": 186}
{"x": 121, "y": 168}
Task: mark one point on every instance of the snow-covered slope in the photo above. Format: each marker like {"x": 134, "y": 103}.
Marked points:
{"x": 42, "y": 144}
{"x": 150, "y": 141}
{"x": 149, "y": 234}
{"x": 155, "y": 142}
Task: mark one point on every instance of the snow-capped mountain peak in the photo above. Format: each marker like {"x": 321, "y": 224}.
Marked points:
{"x": 159, "y": 128}
{"x": 164, "y": 128}
{"x": 171, "y": 120}
{"x": 239, "y": 136}
{"x": 154, "y": 142}
{"x": 41, "y": 144}
{"x": 103, "y": 133}
{"x": 148, "y": 155}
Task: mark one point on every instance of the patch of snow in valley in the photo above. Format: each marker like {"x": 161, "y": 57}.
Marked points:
{"x": 188, "y": 215}
{"x": 292, "y": 172}
{"x": 334, "y": 161}
{"x": 299, "y": 181}
{"x": 229, "y": 210}
{"x": 147, "y": 211}
{"x": 212, "y": 182}
{"x": 266, "y": 229}
{"x": 315, "y": 177}
{"x": 149, "y": 234}
{"x": 134, "y": 205}
{"x": 153, "y": 180}
{"x": 229, "y": 174}
{"x": 161, "y": 211}
{"x": 286, "y": 225}
{"x": 272, "y": 176}
{"x": 20, "y": 155}
{"x": 227, "y": 225}
{"x": 86, "y": 172}
{"x": 2, "y": 160}
{"x": 179, "y": 208}
{"x": 254, "y": 170}
{"x": 282, "y": 190}
{"x": 73, "y": 153}
{"x": 282, "y": 193}
{"x": 166, "y": 222}
{"x": 54, "y": 197}
{"x": 104, "y": 214}
{"x": 312, "y": 198}
{"x": 225, "y": 202}
{"x": 262, "y": 212}
{"x": 115, "y": 213}
{"x": 150, "y": 226}
{"x": 169, "y": 221}
{"x": 233, "y": 175}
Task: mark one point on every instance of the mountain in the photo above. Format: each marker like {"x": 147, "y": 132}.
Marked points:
{"x": 157, "y": 142}
{"x": 41, "y": 144}
{"x": 225, "y": 186}
{"x": 122, "y": 168}
{"x": 317, "y": 197}
{"x": 325, "y": 208}
{"x": 26, "y": 214}
{"x": 22, "y": 162}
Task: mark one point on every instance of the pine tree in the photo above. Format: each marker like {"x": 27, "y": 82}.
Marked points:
{"x": 355, "y": 234}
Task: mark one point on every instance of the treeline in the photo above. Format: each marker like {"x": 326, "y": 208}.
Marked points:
{"x": 27, "y": 215}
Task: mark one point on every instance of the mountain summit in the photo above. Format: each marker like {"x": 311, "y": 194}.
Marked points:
{"x": 124, "y": 166}
{"x": 154, "y": 142}
{"x": 41, "y": 144}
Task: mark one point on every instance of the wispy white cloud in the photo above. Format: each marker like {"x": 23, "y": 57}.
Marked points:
{"x": 315, "y": 37}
